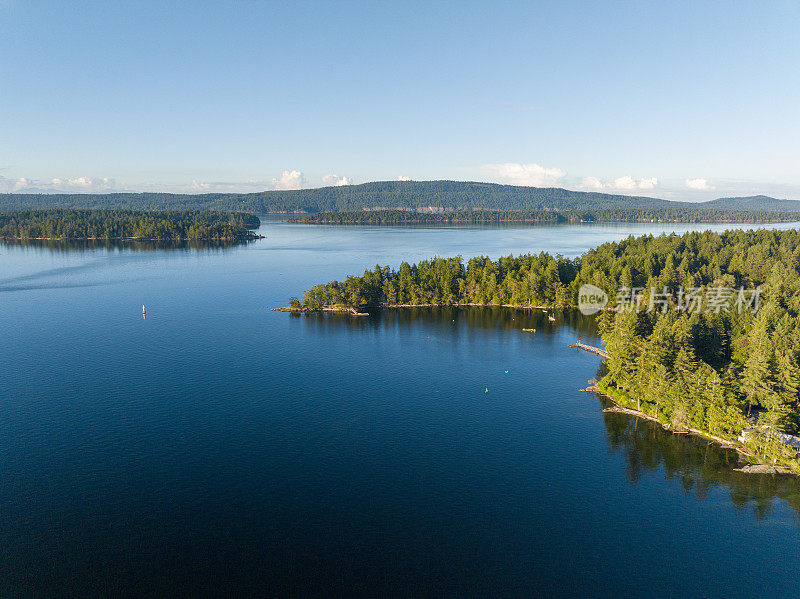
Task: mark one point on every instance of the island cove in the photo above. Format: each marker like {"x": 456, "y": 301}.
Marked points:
{"x": 722, "y": 369}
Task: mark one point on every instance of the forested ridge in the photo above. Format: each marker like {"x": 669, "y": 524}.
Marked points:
{"x": 707, "y": 369}
{"x": 759, "y": 202}
{"x": 682, "y": 215}
{"x": 126, "y": 224}
{"x": 445, "y": 195}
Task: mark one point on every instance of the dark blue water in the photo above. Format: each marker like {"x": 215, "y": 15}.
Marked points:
{"x": 218, "y": 447}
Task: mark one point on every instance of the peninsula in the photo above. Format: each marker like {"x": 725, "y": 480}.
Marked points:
{"x": 728, "y": 365}
{"x": 127, "y": 225}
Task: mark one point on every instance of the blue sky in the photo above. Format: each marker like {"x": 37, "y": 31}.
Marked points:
{"x": 683, "y": 100}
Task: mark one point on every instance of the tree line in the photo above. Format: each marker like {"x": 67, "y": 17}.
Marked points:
{"x": 673, "y": 215}
{"x": 126, "y": 224}
{"x": 413, "y": 195}
{"x": 708, "y": 369}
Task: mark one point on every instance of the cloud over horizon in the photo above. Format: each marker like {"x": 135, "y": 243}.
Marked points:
{"x": 55, "y": 185}
{"x": 624, "y": 183}
{"x": 288, "y": 180}
{"x": 336, "y": 181}
{"x": 530, "y": 175}
{"x": 698, "y": 185}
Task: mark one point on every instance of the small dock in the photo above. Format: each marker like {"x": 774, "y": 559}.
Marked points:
{"x": 589, "y": 348}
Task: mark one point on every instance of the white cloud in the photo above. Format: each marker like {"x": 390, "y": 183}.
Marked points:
{"x": 531, "y": 174}
{"x": 336, "y": 180}
{"x": 624, "y": 183}
{"x": 55, "y": 185}
{"x": 252, "y": 186}
{"x": 83, "y": 184}
{"x": 650, "y": 183}
{"x": 12, "y": 185}
{"x": 201, "y": 187}
{"x": 698, "y": 185}
{"x": 404, "y": 178}
{"x": 592, "y": 183}
{"x": 288, "y": 180}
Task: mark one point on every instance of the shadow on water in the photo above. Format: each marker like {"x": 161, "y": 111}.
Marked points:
{"x": 73, "y": 245}
{"x": 698, "y": 465}
{"x": 497, "y": 318}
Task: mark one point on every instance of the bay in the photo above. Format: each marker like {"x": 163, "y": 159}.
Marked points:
{"x": 216, "y": 447}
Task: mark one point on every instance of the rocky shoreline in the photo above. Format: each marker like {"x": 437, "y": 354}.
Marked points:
{"x": 751, "y": 468}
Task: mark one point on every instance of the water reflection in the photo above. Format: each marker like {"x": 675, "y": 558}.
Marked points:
{"x": 497, "y": 318}
{"x": 73, "y": 245}
{"x": 698, "y": 465}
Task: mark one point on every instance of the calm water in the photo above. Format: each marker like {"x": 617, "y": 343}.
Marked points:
{"x": 216, "y": 446}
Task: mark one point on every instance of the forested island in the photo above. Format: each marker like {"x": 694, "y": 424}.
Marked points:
{"x": 386, "y": 195}
{"x": 659, "y": 215}
{"x": 718, "y": 370}
{"x": 127, "y": 224}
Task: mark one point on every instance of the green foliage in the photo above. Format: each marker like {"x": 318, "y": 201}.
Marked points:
{"x": 524, "y": 280}
{"x": 125, "y": 224}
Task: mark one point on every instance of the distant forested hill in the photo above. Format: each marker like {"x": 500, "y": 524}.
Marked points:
{"x": 410, "y": 195}
{"x": 446, "y": 195}
{"x": 753, "y": 203}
